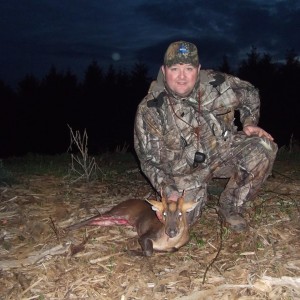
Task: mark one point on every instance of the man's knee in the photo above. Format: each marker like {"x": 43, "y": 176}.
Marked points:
{"x": 259, "y": 148}
{"x": 268, "y": 147}
{"x": 259, "y": 157}
{"x": 267, "y": 151}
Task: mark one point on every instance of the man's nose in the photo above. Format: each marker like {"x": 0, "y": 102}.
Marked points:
{"x": 181, "y": 74}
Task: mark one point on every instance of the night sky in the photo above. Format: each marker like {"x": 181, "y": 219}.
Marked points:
{"x": 37, "y": 34}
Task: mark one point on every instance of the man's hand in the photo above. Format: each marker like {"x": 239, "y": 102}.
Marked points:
{"x": 173, "y": 196}
{"x": 255, "y": 130}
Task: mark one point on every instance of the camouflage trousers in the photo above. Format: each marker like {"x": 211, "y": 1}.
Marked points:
{"x": 247, "y": 162}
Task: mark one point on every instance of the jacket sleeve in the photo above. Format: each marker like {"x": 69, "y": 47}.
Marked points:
{"x": 248, "y": 98}
{"x": 159, "y": 160}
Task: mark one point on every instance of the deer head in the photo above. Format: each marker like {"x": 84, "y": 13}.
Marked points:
{"x": 173, "y": 214}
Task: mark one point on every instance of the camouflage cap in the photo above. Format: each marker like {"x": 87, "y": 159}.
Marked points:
{"x": 181, "y": 52}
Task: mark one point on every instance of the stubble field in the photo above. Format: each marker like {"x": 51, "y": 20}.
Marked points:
{"x": 39, "y": 259}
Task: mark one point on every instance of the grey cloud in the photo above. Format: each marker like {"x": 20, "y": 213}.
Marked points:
{"x": 72, "y": 33}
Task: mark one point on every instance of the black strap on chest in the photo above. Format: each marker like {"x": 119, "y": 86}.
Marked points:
{"x": 157, "y": 102}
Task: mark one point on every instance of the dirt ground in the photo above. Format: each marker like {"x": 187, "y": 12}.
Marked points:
{"x": 40, "y": 260}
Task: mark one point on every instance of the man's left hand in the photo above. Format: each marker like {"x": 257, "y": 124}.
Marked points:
{"x": 255, "y": 130}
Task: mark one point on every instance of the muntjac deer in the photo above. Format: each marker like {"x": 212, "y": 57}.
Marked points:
{"x": 166, "y": 234}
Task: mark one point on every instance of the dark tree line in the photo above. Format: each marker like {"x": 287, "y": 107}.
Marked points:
{"x": 34, "y": 117}
{"x": 278, "y": 85}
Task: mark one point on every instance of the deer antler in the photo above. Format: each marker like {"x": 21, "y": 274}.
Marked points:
{"x": 161, "y": 192}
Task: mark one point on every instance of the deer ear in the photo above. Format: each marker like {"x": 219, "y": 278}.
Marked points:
{"x": 156, "y": 205}
{"x": 189, "y": 206}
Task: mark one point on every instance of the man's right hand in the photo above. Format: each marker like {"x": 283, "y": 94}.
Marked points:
{"x": 173, "y": 196}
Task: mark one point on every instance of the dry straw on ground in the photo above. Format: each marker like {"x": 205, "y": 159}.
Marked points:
{"x": 39, "y": 260}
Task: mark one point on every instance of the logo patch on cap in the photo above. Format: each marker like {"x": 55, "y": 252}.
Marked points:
{"x": 183, "y": 50}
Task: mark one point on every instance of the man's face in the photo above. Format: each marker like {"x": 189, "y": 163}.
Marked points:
{"x": 181, "y": 78}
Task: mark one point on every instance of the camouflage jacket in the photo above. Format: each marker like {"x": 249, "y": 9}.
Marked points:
{"x": 166, "y": 126}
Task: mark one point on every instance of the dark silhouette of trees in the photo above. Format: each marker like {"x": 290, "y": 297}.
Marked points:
{"x": 225, "y": 67}
{"x": 43, "y": 111}
{"x": 286, "y": 96}
{"x": 34, "y": 118}
{"x": 277, "y": 84}
{"x": 60, "y": 92}
{"x": 29, "y": 113}
{"x": 90, "y": 103}
{"x": 8, "y": 119}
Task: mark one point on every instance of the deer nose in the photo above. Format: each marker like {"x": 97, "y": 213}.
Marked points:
{"x": 171, "y": 232}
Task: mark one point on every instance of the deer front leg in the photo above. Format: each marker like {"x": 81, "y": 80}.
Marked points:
{"x": 146, "y": 244}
